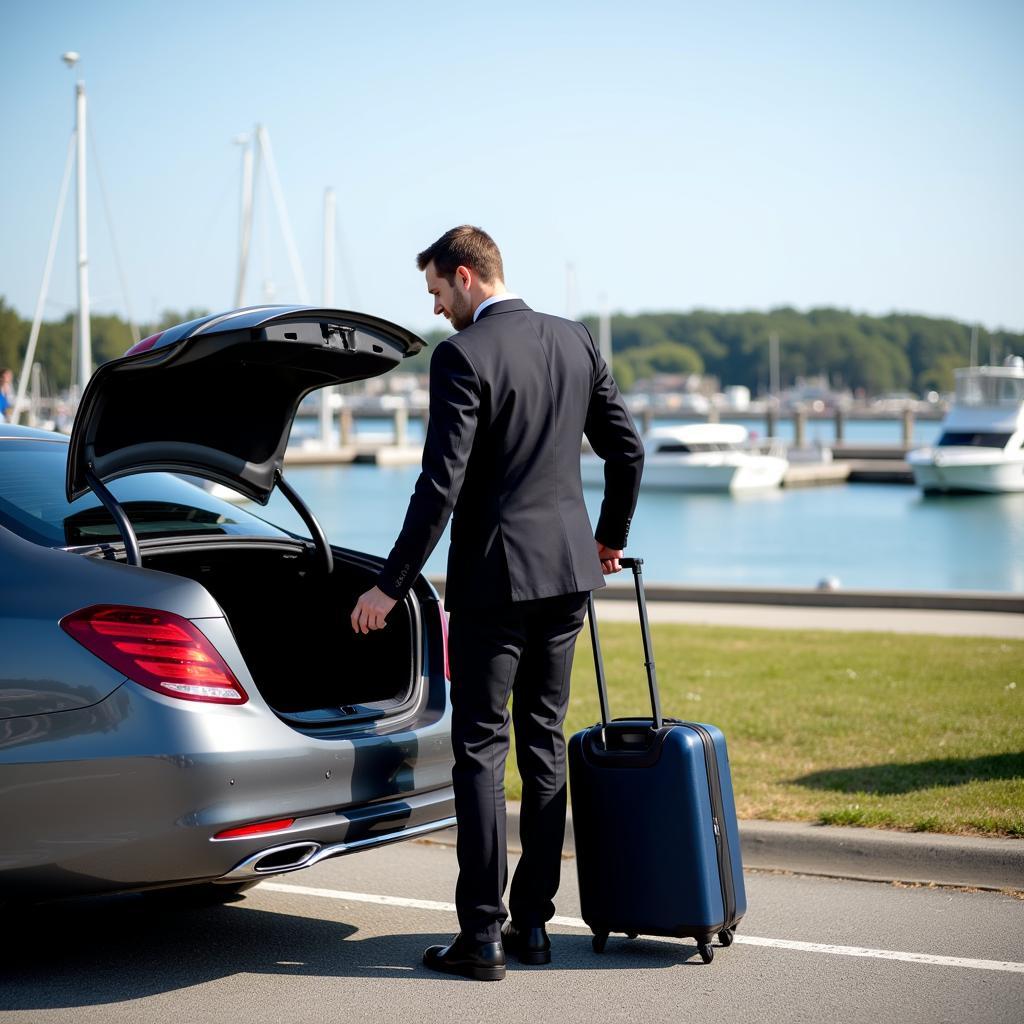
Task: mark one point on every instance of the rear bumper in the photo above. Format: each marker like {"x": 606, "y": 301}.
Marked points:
{"x": 129, "y": 794}
{"x": 371, "y": 827}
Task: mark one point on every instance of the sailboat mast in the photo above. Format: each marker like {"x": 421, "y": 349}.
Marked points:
{"x": 245, "y": 216}
{"x": 84, "y": 333}
{"x": 330, "y": 206}
{"x": 604, "y": 332}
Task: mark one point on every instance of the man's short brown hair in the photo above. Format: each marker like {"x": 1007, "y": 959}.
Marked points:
{"x": 464, "y": 246}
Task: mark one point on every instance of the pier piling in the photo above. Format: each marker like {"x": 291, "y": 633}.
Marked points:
{"x": 401, "y": 421}
{"x": 345, "y": 427}
{"x": 908, "y": 427}
{"x": 799, "y": 427}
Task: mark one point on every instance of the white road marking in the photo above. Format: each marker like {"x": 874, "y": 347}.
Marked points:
{"x": 748, "y": 940}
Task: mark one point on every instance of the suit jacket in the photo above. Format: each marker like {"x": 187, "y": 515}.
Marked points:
{"x": 511, "y": 397}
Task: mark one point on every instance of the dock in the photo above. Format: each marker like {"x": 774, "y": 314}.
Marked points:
{"x": 377, "y": 453}
{"x": 850, "y": 463}
{"x": 811, "y": 474}
{"x": 856, "y": 464}
{"x": 799, "y": 474}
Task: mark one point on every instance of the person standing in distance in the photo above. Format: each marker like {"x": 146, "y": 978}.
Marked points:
{"x": 6, "y": 394}
{"x": 511, "y": 396}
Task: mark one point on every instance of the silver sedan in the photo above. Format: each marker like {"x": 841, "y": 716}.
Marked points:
{"x": 182, "y": 698}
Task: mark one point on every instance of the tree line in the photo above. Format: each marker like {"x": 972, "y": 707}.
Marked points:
{"x": 876, "y": 354}
{"x": 111, "y": 337}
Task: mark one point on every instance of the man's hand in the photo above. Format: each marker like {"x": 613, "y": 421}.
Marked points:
{"x": 609, "y": 558}
{"x": 371, "y": 610}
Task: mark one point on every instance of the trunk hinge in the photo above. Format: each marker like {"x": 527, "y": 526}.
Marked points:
{"x": 113, "y": 506}
{"x": 319, "y": 537}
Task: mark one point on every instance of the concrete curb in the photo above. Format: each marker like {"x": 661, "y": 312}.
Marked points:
{"x": 802, "y": 597}
{"x": 882, "y": 855}
{"x": 869, "y": 854}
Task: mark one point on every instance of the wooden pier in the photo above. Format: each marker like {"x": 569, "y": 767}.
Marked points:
{"x": 851, "y": 462}
{"x": 811, "y": 474}
{"x": 378, "y": 453}
{"x": 854, "y": 463}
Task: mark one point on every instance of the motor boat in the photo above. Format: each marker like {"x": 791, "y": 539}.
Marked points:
{"x": 981, "y": 447}
{"x": 700, "y": 457}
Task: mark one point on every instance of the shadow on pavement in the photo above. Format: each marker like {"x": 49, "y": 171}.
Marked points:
{"x": 112, "y": 949}
{"x": 890, "y": 779}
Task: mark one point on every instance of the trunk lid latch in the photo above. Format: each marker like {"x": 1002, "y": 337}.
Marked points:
{"x": 338, "y": 336}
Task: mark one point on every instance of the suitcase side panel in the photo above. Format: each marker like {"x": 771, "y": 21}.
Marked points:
{"x": 645, "y": 844}
{"x": 731, "y": 825}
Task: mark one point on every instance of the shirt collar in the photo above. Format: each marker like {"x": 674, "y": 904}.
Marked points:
{"x": 490, "y": 302}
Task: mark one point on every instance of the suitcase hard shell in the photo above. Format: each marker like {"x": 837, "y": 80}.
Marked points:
{"x": 657, "y": 842}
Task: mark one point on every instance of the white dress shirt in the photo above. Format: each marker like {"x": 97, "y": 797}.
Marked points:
{"x": 490, "y": 302}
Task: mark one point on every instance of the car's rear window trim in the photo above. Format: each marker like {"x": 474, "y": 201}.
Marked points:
{"x": 32, "y": 437}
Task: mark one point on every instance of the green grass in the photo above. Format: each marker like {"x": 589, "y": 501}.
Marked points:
{"x": 919, "y": 733}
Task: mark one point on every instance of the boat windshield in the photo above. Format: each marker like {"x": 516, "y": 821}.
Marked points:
{"x": 677, "y": 448}
{"x": 973, "y": 439}
{"x": 973, "y": 388}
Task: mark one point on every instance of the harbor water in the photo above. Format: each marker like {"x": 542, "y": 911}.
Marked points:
{"x": 866, "y": 536}
{"x": 866, "y": 431}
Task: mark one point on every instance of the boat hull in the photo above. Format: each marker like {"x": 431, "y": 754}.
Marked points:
{"x": 969, "y": 478}
{"x": 726, "y": 475}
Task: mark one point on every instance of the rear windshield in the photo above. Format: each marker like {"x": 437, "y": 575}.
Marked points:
{"x": 32, "y": 503}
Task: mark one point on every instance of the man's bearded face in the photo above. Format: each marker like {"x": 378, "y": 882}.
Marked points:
{"x": 461, "y": 312}
{"x": 449, "y": 301}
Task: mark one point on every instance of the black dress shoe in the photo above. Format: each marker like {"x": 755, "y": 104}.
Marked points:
{"x": 530, "y": 945}
{"x": 484, "y": 961}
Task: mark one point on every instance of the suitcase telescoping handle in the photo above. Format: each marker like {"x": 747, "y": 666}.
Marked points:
{"x": 636, "y": 564}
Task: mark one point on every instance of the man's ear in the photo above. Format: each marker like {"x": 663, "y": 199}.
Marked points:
{"x": 463, "y": 278}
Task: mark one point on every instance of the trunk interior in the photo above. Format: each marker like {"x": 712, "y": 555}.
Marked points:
{"x": 291, "y": 622}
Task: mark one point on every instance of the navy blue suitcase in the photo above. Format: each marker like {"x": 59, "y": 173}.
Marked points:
{"x": 654, "y": 822}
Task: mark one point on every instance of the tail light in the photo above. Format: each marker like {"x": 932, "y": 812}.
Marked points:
{"x": 145, "y": 345}
{"x": 159, "y": 650}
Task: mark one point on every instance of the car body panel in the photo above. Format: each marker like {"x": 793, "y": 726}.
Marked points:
{"x": 129, "y": 793}
{"x": 216, "y": 397}
{"x": 106, "y": 786}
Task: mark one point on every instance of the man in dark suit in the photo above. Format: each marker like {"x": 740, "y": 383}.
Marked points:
{"x": 511, "y": 396}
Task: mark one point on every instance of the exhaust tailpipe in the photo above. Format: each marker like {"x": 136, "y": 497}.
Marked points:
{"x": 282, "y": 858}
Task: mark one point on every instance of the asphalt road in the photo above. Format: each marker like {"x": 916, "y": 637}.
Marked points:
{"x": 342, "y": 942}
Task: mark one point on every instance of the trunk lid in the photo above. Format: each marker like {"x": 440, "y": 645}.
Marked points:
{"x": 216, "y": 397}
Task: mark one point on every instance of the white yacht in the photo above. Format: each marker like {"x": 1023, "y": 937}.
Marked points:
{"x": 981, "y": 447}
{"x": 700, "y": 457}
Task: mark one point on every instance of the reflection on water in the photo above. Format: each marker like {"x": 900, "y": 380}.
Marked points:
{"x": 871, "y": 536}
{"x": 988, "y": 528}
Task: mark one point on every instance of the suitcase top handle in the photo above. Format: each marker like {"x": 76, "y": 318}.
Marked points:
{"x": 636, "y": 564}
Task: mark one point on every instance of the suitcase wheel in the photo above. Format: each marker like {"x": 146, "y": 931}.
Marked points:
{"x": 726, "y": 935}
{"x": 707, "y": 952}
{"x": 599, "y": 941}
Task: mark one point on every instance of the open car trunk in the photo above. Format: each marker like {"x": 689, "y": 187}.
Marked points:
{"x": 182, "y": 401}
{"x": 291, "y": 621}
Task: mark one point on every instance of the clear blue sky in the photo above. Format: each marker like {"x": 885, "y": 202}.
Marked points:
{"x": 735, "y": 155}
